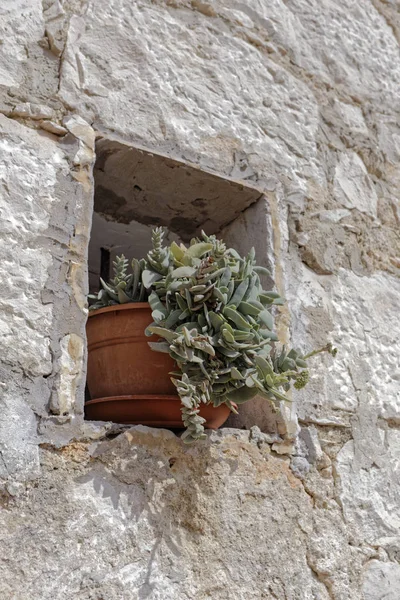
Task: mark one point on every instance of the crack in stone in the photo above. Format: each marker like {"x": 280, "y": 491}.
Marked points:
{"x": 321, "y": 578}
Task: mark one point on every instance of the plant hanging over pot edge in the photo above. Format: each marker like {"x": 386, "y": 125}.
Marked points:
{"x": 210, "y": 309}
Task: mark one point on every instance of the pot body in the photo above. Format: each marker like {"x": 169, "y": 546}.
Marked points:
{"x": 120, "y": 361}
{"x": 128, "y": 382}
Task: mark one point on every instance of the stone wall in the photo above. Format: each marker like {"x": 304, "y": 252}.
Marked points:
{"x": 298, "y": 99}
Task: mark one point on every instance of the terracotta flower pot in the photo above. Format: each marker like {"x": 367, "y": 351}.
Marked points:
{"x": 128, "y": 382}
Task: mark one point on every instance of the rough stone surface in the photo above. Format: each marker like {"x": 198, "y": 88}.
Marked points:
{"x": 381, "y": 581}
{"x": 352, "y": 186}
{"x": 32, "y": 111}
{"x": 45, "y": 218}
{"x": 297, "y": 99}
{"x": 142, "y": 516}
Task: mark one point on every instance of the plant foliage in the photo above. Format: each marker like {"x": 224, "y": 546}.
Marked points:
{"x": 123, "y": 287}
{"x": 214, "y": 319}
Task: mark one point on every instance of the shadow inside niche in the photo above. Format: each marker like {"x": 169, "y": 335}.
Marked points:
{"x": 132, "y": 184}
{"x": 259, "y": 412}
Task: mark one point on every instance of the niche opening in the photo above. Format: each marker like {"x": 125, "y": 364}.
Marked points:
{"x": 136, "y": 189}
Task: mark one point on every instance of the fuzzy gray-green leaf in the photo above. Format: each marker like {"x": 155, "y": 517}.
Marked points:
{"x": 266, "y": 318}
{"x": 240, "y": 291}
{"x": 243, "y": 394}
{"x": 235, "y": 317}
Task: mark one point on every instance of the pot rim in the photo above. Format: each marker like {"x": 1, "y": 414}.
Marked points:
{"x": 117, "y": 307}
{"x": 129, "y": 397}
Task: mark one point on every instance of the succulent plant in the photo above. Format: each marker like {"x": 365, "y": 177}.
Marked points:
{"x": 215, "y": 321}
{"x": 123, "y": 287}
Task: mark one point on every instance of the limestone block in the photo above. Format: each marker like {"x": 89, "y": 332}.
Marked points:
{"x": 53, "y": 127}
{"x": 21, "y": 23}
{"x": 353, "y": 187}
{"x": 45, "y": 220}
{"x": 56, "y": 21}
{"x": 83, "y": 132}
{"x": 381, "y": 580}
{"x": 209, "y": 97}
{"x": 28, "y": 72}
{"x": 349, "y": 46}
{"x": 331, "y": 559}
{"x": 144, "y": 516}
{"x": 368, "y": 337}
{"x": 28, "y": 110}
{"x": 368, "y": 469}
{"x": 19, "y": 457}
{"x": 27, "y": 198}
{"x": 358, "y": 314}
{"x": 352, "y": 117}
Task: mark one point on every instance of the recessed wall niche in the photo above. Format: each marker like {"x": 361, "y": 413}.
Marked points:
{"x": 136, "y": 189}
